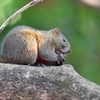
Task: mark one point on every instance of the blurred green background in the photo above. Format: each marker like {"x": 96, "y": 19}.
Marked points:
{"x": 80, "y": 24}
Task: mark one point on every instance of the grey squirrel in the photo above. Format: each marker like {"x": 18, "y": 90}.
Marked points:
{"x": 26, "y": 45}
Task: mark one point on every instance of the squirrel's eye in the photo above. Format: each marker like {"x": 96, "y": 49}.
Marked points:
{"x": 64, "y": 40}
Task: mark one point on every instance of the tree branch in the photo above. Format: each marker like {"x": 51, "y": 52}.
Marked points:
{"x": 33, "y": 2}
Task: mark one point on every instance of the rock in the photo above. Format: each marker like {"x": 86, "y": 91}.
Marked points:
{"x": 20, "y": 82}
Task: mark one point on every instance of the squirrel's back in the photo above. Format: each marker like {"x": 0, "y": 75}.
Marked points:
{"x": 20, "y": 44}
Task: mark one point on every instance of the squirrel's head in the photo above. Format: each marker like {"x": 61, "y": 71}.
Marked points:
{"x": 62, "y": 45}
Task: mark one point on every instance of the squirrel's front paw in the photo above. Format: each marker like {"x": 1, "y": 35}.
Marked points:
{"x": 61, "y": 58}
{"x": 60, "y": 61}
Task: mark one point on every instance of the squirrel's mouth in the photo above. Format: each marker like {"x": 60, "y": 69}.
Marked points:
{"x": 59, "y": 52}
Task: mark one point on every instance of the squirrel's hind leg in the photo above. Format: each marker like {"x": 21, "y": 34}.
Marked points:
{"x": 38, "y": 65}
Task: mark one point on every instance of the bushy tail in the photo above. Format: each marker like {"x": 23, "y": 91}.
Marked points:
{"x": 4, "y": 59}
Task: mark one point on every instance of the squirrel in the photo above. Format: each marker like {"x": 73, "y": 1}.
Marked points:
{"x": 29, "y": 46}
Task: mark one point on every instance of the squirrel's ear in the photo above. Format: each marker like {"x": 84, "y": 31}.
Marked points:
{"x": 56, "y": 31}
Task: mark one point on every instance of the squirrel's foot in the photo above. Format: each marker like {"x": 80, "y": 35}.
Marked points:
{"x": 38, "y": 65}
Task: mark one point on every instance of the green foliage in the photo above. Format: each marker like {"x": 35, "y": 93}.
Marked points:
{"x": 79, "y": 23}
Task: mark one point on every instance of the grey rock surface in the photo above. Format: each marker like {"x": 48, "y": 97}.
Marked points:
{"x": 20, "y": 82}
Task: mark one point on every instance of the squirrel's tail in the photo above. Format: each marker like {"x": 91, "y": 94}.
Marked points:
{"x": 4, "y": 59}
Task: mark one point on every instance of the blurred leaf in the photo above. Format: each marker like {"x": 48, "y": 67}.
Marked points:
{"x": 4, "y": 3}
